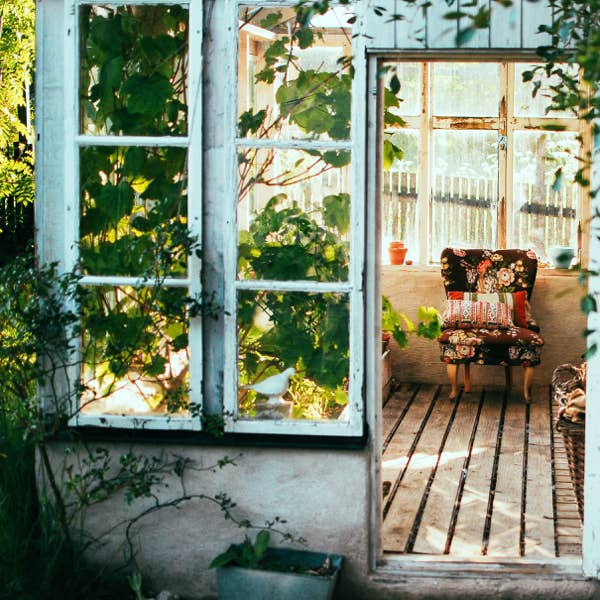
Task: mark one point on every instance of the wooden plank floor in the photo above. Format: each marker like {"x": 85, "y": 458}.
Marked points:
{"x": 486, "y": 475}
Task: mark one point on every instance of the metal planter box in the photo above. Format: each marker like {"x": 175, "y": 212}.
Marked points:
{"x": 240, "y": 583}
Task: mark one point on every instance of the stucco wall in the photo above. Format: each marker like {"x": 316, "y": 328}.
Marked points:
{"x": 555, "y": 305}
{"x": 321, "y": 493}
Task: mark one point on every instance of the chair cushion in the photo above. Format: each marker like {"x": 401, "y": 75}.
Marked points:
{"x": 491, "y": 337}
{"x": 466, "y": 314}
{"x": 517, "y": 301}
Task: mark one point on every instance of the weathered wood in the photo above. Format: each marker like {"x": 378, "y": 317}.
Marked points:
{"x": 394, "y": 407}
{"x": 396, "y": 455}
{"x": 506, "y": 515}
{"x": 505, "y": 25}
{"x": 539, "y": 513}
{"x": 433, "y": 530}
{"x": 400, "y": 518}
{"x": 468, "y": 534}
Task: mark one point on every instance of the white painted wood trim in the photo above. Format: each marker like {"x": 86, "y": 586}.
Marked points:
{"x": 591, "y": 528}
{"x": 136, "y": 282}
{"x": 222, "y": 28}
{"x": 296, "y": 144}
{"x": 294, "y": 286}
{"x": 137, "y": 422}
{"x": 372, "y": 299}
{"x": 141, "y": 2}
{"x": 424, "y": 188}
{"x": 195, "y": 197}
{"x": 135, "y": 140}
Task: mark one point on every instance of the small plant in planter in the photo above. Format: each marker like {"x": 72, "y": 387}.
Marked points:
{"x": 254, "y": 571}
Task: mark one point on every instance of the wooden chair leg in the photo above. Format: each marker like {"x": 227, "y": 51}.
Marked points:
{"x": 452, "y": 371}
{"x": 527, "y": 383}
{"x": 508, "y": 377}
{"x": 467, "y": 377}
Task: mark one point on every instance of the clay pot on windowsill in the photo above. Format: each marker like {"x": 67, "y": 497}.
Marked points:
{"x": 397, "y": 253}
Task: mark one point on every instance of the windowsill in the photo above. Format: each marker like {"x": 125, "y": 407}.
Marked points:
{"x": 203, "y": 438}
{"x": 414, "y": 268}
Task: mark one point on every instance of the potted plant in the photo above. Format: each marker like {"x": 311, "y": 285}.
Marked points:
{"x": 254, "y": 571}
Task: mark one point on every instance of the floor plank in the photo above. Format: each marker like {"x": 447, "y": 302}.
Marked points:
{"x": 400, "y": 518}
{"x": 468, "y": 534}
{"x": 396, "y": 454}
{"x": 539, "y": 513}
{"x": 428, "y": 437}
{"x": 395, "y": 406}
{"x": 506, "y": 510}
{"x": 433, "y": 531}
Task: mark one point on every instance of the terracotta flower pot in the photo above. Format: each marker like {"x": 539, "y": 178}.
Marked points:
{"x": 397, "y": 253}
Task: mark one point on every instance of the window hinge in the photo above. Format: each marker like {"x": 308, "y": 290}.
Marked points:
{"x": 502, "y": 142}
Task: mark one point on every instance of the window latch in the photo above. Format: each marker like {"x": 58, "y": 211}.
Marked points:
{"x": 502, "y": 142}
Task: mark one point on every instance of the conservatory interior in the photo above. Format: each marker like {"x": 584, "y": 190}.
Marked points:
{"x": 482, "y": 471}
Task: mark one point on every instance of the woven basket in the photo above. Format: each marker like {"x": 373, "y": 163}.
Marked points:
{"x": 574, "y": 437}
{"x": 565, "y": 379}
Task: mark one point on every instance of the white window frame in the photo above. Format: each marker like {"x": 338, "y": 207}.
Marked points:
{"x": 506, "y": 123}
{"x": 353, "y": 426}
{"x": 74, "y": 140}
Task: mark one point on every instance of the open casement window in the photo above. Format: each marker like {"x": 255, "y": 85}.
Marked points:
{"x": 294, "y": 262}
{"x": 133, "y": 141}
{"x": 479, "y": 162}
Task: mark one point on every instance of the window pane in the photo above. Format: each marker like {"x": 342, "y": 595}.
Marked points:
{"x": 294, "y": 83}
{"x": 294, "y": 225}
{"x": 134, "y": 351}
{"x": 308, "y": 332}
{"x": 133, "y": 211}
{"x": 410, "y": 77}
{"x": 399, "y": 196}
{"x": 545, "y": 217}
{"x": 466, "y": 89}
{"x": 133, "y": 71}
{"x": 528, "y": 106}
{"x": 465, "y": 190}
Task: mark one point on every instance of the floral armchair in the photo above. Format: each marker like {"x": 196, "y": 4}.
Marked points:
{"x": 487, "y": 319}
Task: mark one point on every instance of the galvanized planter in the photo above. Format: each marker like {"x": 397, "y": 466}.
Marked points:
{"x": 240, "y": 583}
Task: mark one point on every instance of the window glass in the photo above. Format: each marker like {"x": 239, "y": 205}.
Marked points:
{"x": 307, "y": 332}
{"x": 526, "y": 105}
{"x": 293, "y": 82}
{"x": 545, "y": 209}
{"x": 464, "y": 190}
{"x": 294, "y": 224}
{"x": 400, "y": 188}
{"x": 133, "y": 69}
{"x": 409, "y": 75}
{"x": 133, "y": 211}
{"x": 466, "y": 89}
{"x": 135, "y": 357}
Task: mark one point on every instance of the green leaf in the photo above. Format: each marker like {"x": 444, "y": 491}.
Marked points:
{"x": 305, "y": 38}
{"x": 223, "y": 559}
{"x": 464, "y": 36}
{"x": 394, "y": 84}
{"x": 147, "y": 94}
{"x": 271, "y": 20}
{"x": 391, "y": 152}
{"x": 261, "y": 543}
{"x": 588, "y": 304}
{"x": 337, "y": 212}
{"x": 558, "y": 178}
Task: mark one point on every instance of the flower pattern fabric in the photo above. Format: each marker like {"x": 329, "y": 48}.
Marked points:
{"x": 480, "y": 271}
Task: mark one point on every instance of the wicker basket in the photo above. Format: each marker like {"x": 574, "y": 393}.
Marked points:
{"x": 574, "y": 437}
{"x": 565, "y": 379}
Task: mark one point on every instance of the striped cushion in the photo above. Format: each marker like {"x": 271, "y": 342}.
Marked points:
{"x": 465, "y": 314}
{"x": 516, "y": 301}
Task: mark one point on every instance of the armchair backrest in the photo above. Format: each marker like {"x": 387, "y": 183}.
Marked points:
{"x": 488, "y": 271}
